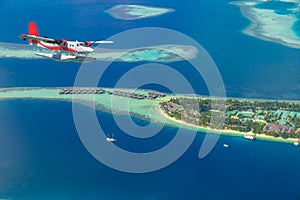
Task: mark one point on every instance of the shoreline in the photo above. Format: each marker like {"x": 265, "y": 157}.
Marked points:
{"x": 228, "y": 132}
{"x": 124, "y": 105}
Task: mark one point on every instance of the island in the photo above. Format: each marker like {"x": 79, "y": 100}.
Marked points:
{"x": 161, "y": 53}
{"x": 271, "y": 20}
{"x": 133, "y": 12}
{"x": 268, "y": 119}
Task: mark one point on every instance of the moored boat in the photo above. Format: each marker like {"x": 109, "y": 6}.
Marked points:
{"x": 111, "y": 139}
{"x": 249, "y": 136}
{"x": 296, "y": 143}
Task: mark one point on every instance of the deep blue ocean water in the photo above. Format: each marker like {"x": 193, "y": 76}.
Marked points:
{"x": 276, "y": 5}
{"x": 42, "y": 156}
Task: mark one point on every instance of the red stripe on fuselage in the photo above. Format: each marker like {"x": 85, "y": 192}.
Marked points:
{"x": 54, "y": 47}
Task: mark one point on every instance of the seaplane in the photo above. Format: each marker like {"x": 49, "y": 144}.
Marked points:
{"x": 73, "y": 50}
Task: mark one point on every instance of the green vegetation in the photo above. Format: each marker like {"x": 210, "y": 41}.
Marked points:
{"x": 275, "y": 118}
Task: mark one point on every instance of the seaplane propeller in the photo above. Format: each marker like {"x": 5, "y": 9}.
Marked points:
{"x": 88, "y": 43}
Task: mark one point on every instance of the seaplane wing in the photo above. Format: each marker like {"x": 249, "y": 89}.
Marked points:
{"x": 102, "y": 42}
{"x": 37, "y": 38}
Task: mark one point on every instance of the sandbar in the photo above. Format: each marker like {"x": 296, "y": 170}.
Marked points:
{"x": 161, "y": 53}
{"x": 270, "y": 25}
{"x": 134, "y": 12}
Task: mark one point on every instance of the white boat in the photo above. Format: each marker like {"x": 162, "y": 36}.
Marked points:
{"x": 111, "y": 139}
{"x": 250, "y": 136}
{"x": 225, "y": 145}
{"x": 296, "y": 143}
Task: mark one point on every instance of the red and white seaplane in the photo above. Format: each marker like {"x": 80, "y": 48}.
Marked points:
{"x": 75, "y": 50}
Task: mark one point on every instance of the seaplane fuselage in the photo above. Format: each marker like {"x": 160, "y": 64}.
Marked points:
{"x": 69, "y": 46}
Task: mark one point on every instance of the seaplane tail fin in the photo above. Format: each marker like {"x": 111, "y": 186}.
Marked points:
{"x": 32, "y": 31}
